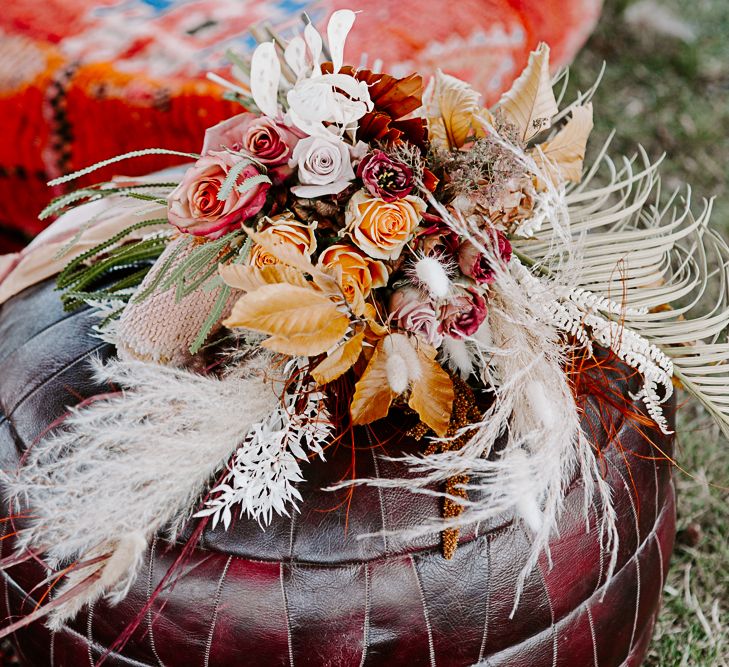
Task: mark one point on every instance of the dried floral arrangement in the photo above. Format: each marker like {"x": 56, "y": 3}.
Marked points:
{"x": 355, "y": 239}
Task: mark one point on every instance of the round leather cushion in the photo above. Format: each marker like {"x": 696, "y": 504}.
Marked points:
{"x": 308, "y": 591}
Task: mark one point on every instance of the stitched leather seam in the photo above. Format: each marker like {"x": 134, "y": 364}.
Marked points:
{"x": 428, "y": 627}
{"x": 289, "y": 638}
{"x": 53, "y": 376}
{"x": 65, "y": 318}
{"x": 366, "y": 625}
{"x": 128, "y": 661}
{"x": 578, "y": 609}
{"x": 150, "y": 573}
{"x": 216, "y": 607}
{"x": 591, "y": 623}
{"x": 485, "y": 634}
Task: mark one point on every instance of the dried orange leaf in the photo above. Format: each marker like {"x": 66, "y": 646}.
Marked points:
{"x": 432, "y": 394}
{"x": 339, "y": 361}
{"x": 530, "y": 103}
{"x": 302, "y": 320}
{"x": 561, "y": 158}
{"x": 372, "y": 394}
{"x": 249, "y": 278}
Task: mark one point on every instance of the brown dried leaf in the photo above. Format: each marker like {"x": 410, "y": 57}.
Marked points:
{"x": 530, "y": 103}
{"x": 432, "y": 395}
{"x": 561, "y": 158}
{"x": 249, "y": 278}
{"x": 339, "y": 361}
{"x": 372, "y": 396}
{"x": 301, "y": 320}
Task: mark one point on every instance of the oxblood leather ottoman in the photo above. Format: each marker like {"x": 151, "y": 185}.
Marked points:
{"x": 307, "y": 591}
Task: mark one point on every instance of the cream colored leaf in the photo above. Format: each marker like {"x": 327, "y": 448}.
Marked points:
{"x": 530, "y": 103}
{"x": 432, "y": 394}
{"x": 249, "y": 278}
{"x": 302, "y": 320}
{"x": 339, "y": 361}
{"x": 561, "y": 158}
{"x": 457, "y": 103}
{"x": 372, "y": 395}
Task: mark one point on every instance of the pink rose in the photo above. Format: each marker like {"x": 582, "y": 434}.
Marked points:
{"x": 269, "y": 142}
{"x": 324, "y": 166}
{"x": 463, "y": 315}
{"x": 476, "y": 265}
{"x": 193, "y": 206}
{"x": 412, "y": 312}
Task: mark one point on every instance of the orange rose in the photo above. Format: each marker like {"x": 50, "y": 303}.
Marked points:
{"x": 359, "y": 273}
{"x": 383, "y": 228}
{"x": 287, "y": 231}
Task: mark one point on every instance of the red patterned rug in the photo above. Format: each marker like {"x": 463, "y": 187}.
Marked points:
{"x": 83, "y": 80}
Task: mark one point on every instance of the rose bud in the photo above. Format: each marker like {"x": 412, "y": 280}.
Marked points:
{"x": 463, "y": 315}
{"x": 475, "y": 264}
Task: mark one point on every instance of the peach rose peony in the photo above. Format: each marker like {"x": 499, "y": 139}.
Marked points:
{"x": 379, "y": 228}
{"x": 360, "y": 274}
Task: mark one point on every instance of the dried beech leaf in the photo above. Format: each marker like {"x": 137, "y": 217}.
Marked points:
{"x": 530, "y": 103}
{"x": 432, "y": 394}
{"x": 249, "y": 278}
{"x": 339, "y": 361}
{"x": 561, "y": 158}
{"x": 302, "y": 320}
{"x": 372, "y": 395}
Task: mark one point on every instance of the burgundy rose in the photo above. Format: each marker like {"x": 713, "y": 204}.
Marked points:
{"x": 477, "y": 265}
{"x": 384, "y": 177}
{"x": 269, "y": 142}
{"x": 463, "y": 314}
{"x": 193, "y": 206}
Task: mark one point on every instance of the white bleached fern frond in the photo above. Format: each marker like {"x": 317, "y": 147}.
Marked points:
{"x": 265, "y": 467}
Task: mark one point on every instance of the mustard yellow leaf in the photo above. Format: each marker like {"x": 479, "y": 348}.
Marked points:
{"x": 249, "y": 278}
{"x": 432, "y": 394}
{"x": 302, "y": 320}
{"x": 339, "y": 361}
{"x": 530, "y": 103}
{"x": 561, "y": 158}
{"x": 372, "y": 394}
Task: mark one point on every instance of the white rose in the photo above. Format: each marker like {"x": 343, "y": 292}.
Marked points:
{"x": 324, "y": 164}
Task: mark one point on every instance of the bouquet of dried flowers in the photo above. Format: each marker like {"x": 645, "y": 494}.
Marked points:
{"x": 358, "y": 244}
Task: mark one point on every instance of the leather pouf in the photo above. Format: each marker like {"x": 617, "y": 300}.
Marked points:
{"x": 307, "y": 591}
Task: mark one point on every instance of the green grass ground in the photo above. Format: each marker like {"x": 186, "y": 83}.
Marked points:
{"x": 672, "y": 96}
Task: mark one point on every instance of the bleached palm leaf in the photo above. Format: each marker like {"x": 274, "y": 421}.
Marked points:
{"x": 647, "y": 251}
